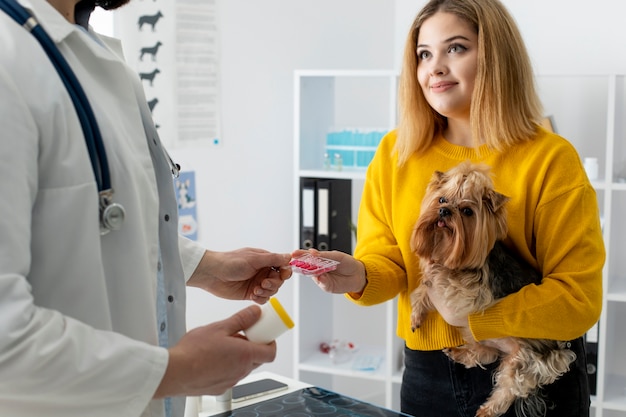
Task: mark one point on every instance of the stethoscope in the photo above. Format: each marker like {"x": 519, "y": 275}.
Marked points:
{"x": 111, "y": 214}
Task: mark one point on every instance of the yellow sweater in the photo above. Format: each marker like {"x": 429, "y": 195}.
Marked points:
{"x": 553, "y": 223}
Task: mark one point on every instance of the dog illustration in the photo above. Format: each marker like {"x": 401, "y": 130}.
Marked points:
{"x": 151, "y": 50}
{"x": 149, "y": 76}
{"x": 149, "y": 20}
{"x": 152, "y": 103}
{"x": 457, "y": 238}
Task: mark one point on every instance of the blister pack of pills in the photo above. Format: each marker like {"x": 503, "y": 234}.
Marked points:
{"x": 312, "y": 265}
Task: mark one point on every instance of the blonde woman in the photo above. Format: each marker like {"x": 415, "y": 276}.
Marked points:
{"x": 467, "y": 93}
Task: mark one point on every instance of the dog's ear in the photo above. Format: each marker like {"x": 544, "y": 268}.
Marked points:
{"x": 495, "y": 201}
{"x": 435, "y": 181}
{"x": 421, "y": 245}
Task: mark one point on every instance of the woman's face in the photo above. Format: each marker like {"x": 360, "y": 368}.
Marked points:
{"x": 447, "y": 50}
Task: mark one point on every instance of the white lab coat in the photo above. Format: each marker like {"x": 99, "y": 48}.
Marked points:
{"x": 78, "y": 325}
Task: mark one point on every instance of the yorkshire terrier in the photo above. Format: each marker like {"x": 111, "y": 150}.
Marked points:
{"x": 458, "y": 239}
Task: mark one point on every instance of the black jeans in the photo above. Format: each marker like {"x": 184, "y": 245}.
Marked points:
{"x": 435, "y": 386}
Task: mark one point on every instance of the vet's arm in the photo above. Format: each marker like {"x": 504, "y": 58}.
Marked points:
{"x": 242, "y": 274}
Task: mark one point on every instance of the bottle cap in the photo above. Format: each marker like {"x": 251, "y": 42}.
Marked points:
{"x": 274, "y": 321}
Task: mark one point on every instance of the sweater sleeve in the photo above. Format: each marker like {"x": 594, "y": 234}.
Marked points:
{"x": 377, "y": 246}
{"x": 566, "y": 240}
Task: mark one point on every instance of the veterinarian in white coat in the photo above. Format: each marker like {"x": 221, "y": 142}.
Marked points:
{"x": 79, "y": 325}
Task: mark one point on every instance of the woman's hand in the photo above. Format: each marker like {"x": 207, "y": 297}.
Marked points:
{"x": 349, "y": 277}
{"x": 242, "y": 274}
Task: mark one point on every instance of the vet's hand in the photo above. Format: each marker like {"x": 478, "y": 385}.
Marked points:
{"x": 243, "y": 274}
{"x": 210, "y": 359}
{"x": 448, "y": 312}
{"x": 349, "y": 277}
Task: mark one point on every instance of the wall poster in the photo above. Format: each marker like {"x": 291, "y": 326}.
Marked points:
{"x": 174, "y": 47}
{"x": 185, "y": 187}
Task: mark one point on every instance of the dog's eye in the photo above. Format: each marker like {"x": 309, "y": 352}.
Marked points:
{"x": 467, "y": 211}
{"x": 442, "y": 200}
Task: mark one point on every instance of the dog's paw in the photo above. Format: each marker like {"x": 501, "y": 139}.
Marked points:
{"x": 418, "y": 314}
{"x": 484, "y": 412}
{"x": 416, "y": 321}
{"x": 463, "y": 356}
{"x": 493, "y": 408}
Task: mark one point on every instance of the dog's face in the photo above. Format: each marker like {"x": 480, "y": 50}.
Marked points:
{"x": 461, "y": 218}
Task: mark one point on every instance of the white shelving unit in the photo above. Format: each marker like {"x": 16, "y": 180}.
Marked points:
{"x": 326, "y": 101}
{"x": 589, "y": 110}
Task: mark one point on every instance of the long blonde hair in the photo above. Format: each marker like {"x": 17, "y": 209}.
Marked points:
{"x": 505, "y": 105}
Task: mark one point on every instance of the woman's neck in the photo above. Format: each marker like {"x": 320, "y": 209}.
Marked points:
{"x": 459, "y": 132}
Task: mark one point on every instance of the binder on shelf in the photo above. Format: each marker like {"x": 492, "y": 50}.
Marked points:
{"x": 341, "y": 216}
{"x": 334, "y": 213}
{"x": 308, "y": 210}
{"x": 323, "y": 215}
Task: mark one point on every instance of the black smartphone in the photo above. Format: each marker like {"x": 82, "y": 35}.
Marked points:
{"x": 256, "y": 389}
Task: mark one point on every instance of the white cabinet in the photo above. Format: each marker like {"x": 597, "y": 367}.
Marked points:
{"x": 589, "y": 110}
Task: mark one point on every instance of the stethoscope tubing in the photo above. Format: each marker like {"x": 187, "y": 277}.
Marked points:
{"x": 89, "y": 125}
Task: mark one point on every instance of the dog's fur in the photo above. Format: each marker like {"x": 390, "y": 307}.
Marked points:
{"x": 458, "y": 240}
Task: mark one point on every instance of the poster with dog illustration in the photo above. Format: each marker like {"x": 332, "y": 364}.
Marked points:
{"x": 173, "y": 47}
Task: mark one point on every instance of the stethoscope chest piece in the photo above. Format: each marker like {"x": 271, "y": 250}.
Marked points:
{"x": 111, "y": 214}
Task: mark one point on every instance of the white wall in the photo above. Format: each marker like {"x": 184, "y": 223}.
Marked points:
{"x": 102, "y": 22}
{"x": 244, "y": 187}
{"x": 562, "y": 36}
{"x": 573, "y": 37}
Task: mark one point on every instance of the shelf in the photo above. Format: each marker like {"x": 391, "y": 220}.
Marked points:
{"x": 616, "y": 297}
{"x": 599, "y": 184}
{"x": 328, "y": 103}
{"x": 615, "y": 393}
{"x": 616, "y": 290}
{"x": 594, "y": 401}
{"x": 397, "y": 378}
{"x": 346, "y": 173}
{"x": 620, "y": 298}
{"x": 321, "y": 362}
{"x": 344, "y": 73}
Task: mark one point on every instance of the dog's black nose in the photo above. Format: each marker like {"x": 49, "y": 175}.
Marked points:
{"x": 444, "y": 212}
